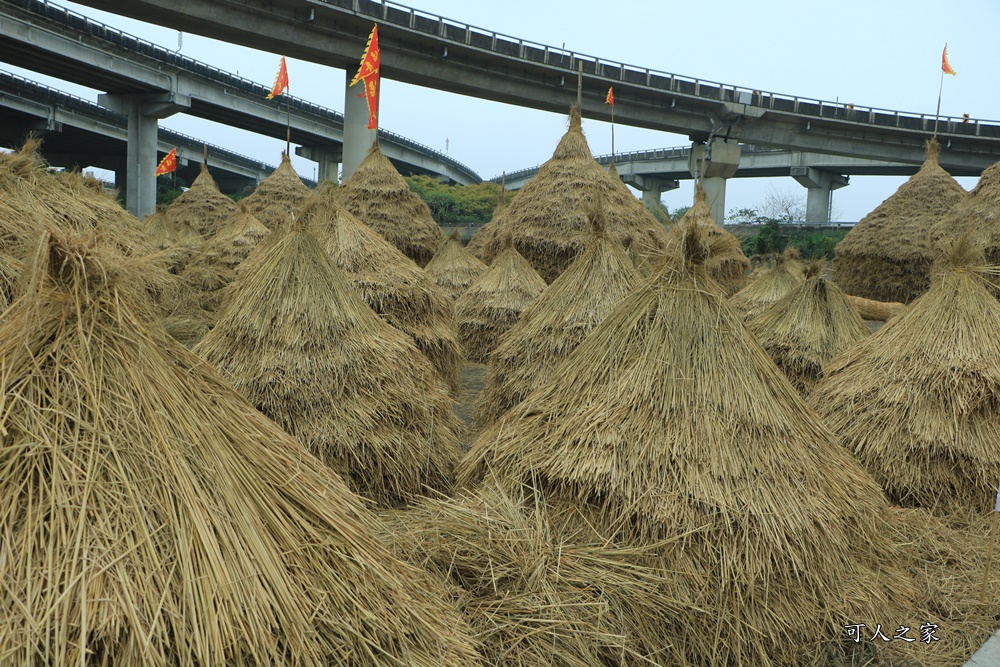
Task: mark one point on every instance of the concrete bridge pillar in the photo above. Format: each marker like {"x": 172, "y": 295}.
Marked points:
{"x": 143, "y": 110}
{"x": 650, "y": 186}
{"x": 358, "y": 138}
{"x": 821, "y": 185}
{"x": 327, "y": 159}
{"x": 712, "y": 164}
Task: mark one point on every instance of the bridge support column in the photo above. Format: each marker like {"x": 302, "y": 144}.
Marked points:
{"x": 650, "y": 186}
{"x": 821, "y": 185}
{"x": 142, "y": 110}
{"x": 358, "y": 138}
{"x": 327, "y": 158}
{"x": 712, "y": 164}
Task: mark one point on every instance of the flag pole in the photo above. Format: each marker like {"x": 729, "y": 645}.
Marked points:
{"x": 288, "y": 126}
{"x": 612, "y": 132}
{"x": 937, "y": 113}
{"x": 579, "y": 86}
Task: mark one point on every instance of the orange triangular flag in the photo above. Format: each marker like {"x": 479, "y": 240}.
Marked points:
{"x": 610, "y": 99}
{"x": 168, "y": 163}
{"x": 369, "y": 72}
{"x": 945, "y": 65}
{"x": 280, "y": 81}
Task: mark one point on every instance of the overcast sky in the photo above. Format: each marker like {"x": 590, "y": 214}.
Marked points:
{"x": 882, "y": 53}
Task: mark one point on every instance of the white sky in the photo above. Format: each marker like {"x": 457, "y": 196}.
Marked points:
{"x": 873, "y": 53}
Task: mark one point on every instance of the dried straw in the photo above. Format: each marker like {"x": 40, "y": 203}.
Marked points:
{"x": 151, "y": 516}
{"x": 807, "y": 328}
{"x": 768, "y": 289}
{"x": 453, "y": 268}
{"x": 202, "y": 207}
{"x": 887, "y": 255}
{"x": 548, "y": 217}
{"x": 379, "y": 197}
{"x": 391, "y": 284}
{"x": 299, "y": 342}
{"x": 875, "y": 311}
{"x": 919, "y": 401}
{"x": 671, "y": 425}
{"x": 279, "y": 197}
{"x": 193, "y": 304}
{"x": 537, "y": 597}
{"x": 726, "y": 263}
{"x": 555, "y": 323}
{"x": 177, "y": 242}
{"x": 493, "y": 303}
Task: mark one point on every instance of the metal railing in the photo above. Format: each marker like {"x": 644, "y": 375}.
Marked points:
{"x": 563, "y": 59}
{"x": 70, "y": 19}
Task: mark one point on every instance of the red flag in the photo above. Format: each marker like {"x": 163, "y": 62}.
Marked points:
{"x": 280, "y": 81}
{"x": 610, "y": 99}
{"x": 168, "y": 163}
{"x": 369, "y": 73}
{"x": 945, "y": 65}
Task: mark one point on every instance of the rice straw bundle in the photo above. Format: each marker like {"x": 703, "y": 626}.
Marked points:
{"x": 726, "y": 263}
{"x": 556, "y": 323}
{"x": 919, "y": 401}
{"x": 534, "y": 596}
{"x": 176, "y": 242}
{"x": 669, "y": 425}
{"x": 977, "y": 213}
{"x": 548, "y": 217}
{"x": 202, "y": 207}
{"x": 279, "y": 197}
{"x": 194, "y": 302}
{"x": 453, "y": 268}
{"x": 807, "y": 328}
{"x": 768, "y": 289}
{"x": 151, "y": 516}
{"x": 887, "y": 256}
{"x": 391, "y": 284}
{"x": 299, "y": 342}
{"x": 875, "y": 311}
{"x": 493, "y": 303}
{"x": 378, "y": 196}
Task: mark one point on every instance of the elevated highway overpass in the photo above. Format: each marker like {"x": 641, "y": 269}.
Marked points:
{"x": 78, "y": 133}
{"x": 146, "y": 82}
{"x": 659, "y": 170}
{"x": 436, "y": 52}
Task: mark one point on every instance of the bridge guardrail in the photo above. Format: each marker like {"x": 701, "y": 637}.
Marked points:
{"x": 501, "y": 44}
{"x": 86, "y": 25}
{"x": 71, "y": 102}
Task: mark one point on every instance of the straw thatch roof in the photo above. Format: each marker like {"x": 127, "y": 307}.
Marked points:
{"x": 379, "y": 197}
{"x": 278, "y": 198}
{"x": 391, "y": 284}
{"x": 202, "y": 207}
{"x": 726, "y": 263}
{"x": 154, "y": 517}
{"x": 919, "y": 401}
{"x": 535, "y": 596}
{"x": 493, "y": 303}
{"x": 552, "y": 326}
{"x": 807, "y": 328}
{"x": 453, "y": 268}
{"x": 299, "y": 342}
{"x": 548, "y": 217}
{"x": 674, "y": 428}
{"x": 887, "y": 256}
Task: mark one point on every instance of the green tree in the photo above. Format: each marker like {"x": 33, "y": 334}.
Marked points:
{"x": 457, "y": 204}
{"x": 768, "y": 240}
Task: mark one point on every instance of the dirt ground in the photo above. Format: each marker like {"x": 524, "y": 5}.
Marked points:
{"x": 473, "y": 379}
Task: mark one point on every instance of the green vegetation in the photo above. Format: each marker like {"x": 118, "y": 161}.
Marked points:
{"x": 457, "y": 204}
{"x": 773, "y": 237}
{"x": 168, "y": 188}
